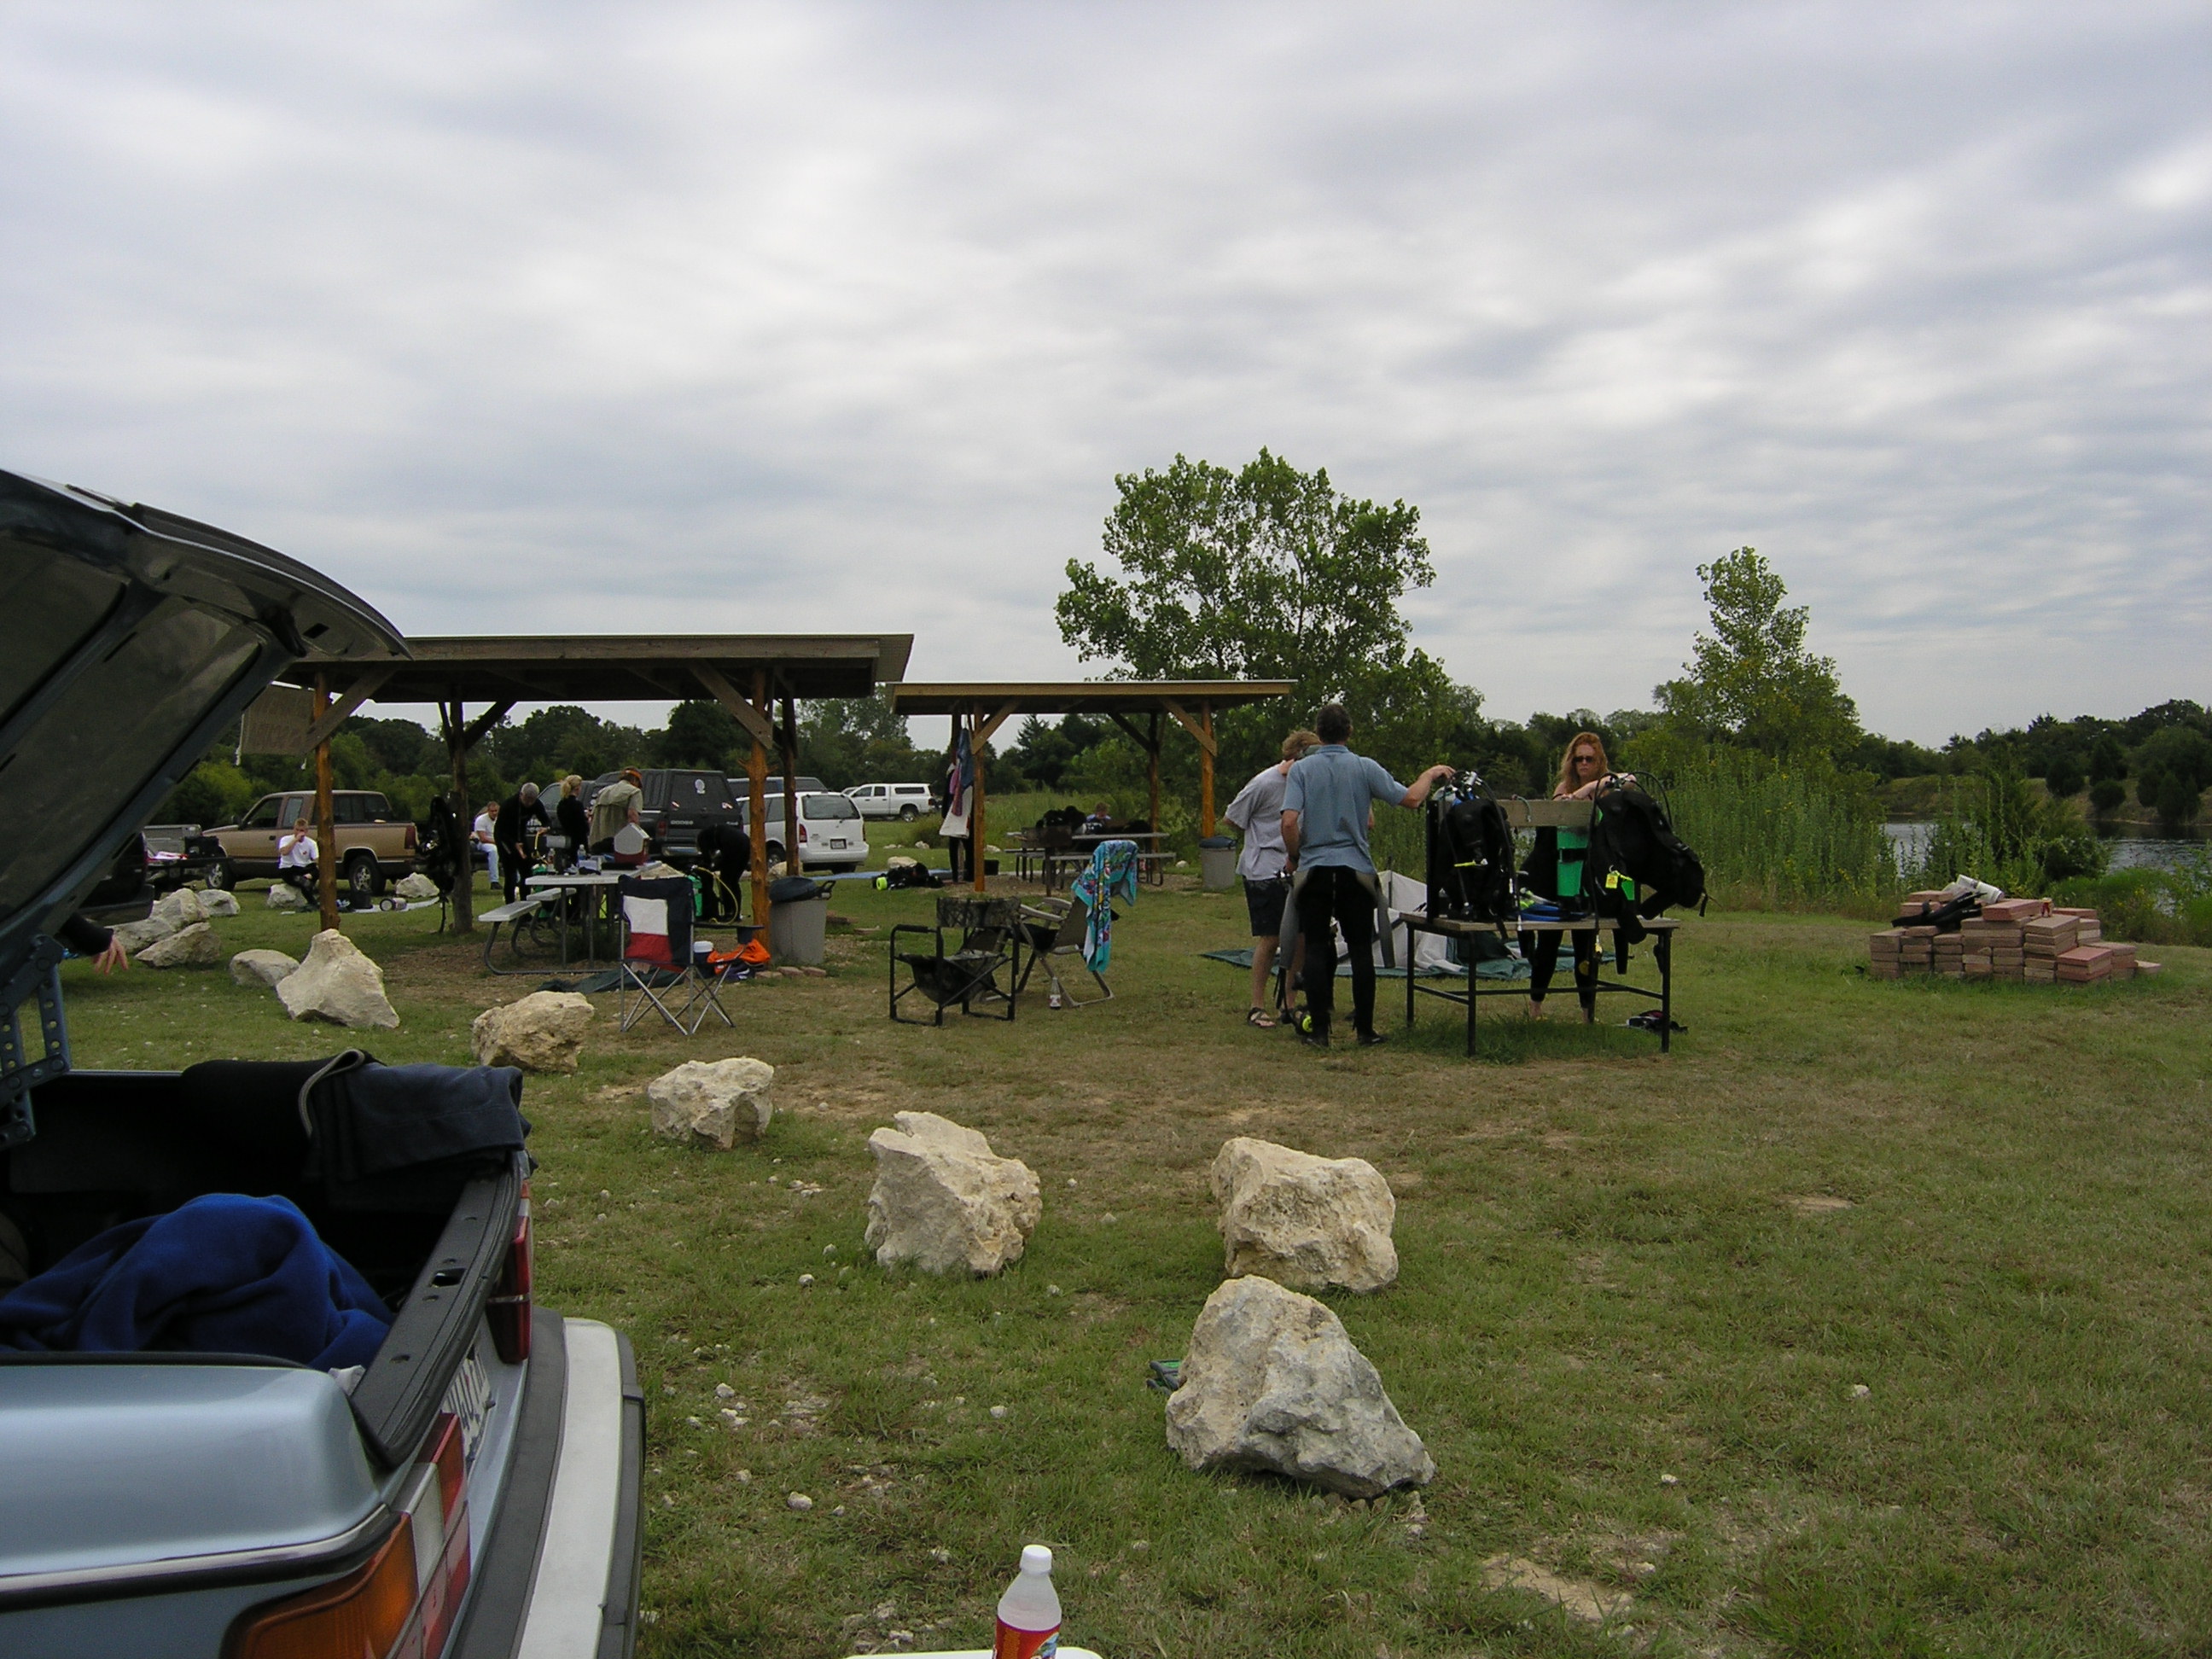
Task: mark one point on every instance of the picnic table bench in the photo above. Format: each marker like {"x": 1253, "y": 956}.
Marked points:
{"x": 513, "y": 917}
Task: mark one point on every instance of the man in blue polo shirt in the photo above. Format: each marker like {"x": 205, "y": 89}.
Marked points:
{"x": 1326, "y": 804}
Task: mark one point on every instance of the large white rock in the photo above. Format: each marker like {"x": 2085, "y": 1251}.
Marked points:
{"x": 338, "y": 984}
{"x": 263, "y": 968}
{"x": 282, "y": 895}
{"x": 179, "y": 909}
{"x": 712, "y": 1103}
{"x": 1304, "y": 1221}
{"x": 217, "y": 902}
{"x": 136, "y": 935}
{"x": 414, "y": 887}
{"x": 195, "y": 946}
{"x": 543, "y": 1032}
{"x": 1270, "y": 1381}
{"x": 944, "y": 1200}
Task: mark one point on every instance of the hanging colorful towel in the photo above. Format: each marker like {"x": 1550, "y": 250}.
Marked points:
{"x": 1112, "y": 870}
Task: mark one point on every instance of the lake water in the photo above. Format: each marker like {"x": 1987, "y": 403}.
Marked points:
{"x": 2128, "y": 848}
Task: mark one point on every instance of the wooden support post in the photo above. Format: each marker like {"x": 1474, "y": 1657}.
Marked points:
{"x": 794, "y": 862}
{"x": 975, "y": 741}
{"x": 457, "y": 752}
{"x": 1152, "y": 749}
{"x": 326, "y": 831}
{"x": 1205, "y": 772}
{"x": 757, "y": 798}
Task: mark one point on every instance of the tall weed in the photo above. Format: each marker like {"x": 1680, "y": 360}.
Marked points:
{"x": 1774, "y": 836}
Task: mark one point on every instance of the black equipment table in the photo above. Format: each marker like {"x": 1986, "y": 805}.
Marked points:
{"x": 1660, "y": 929}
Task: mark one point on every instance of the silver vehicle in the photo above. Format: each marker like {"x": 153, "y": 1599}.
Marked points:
{"x": 470, "y": 1486}
{"x": 903, "y": 801}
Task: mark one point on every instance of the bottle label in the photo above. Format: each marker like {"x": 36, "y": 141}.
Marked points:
{"x": 1013, "y": 1644}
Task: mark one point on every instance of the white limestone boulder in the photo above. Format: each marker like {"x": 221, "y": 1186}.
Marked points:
{"x": 195, "y": 946}
{"x": 1271, "y": 1382}
{"x": 414, "y": 887}
{"x": 136, "y": 935}
{"x": 282, "y": 895}
{"x": 179, "y": 910}
{"x": 1304, "y": 1221}
{"x": 336, "y": 984}
{"x": 262, "y": 968}
{"x": 712, "y": 1103}
{"x": 543, "y": 1032}
{"x": 217, "y": 902}
{"x": 944, "y": 1200}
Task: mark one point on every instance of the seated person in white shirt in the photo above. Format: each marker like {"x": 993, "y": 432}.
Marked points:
{"x": 296, "y": 854}
{"x": 483, "y": 835}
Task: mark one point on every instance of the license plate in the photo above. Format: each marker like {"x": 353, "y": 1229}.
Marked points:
{"x": 468, "y": 1397}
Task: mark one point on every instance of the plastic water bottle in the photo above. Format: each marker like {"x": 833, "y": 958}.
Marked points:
{"x": 1029, "y": 1612}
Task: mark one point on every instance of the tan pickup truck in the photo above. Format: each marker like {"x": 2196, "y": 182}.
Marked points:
{"x": 373, "y": 845}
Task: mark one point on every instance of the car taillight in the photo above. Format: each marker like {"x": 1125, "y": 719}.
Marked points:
{"x": 363, "y": 1612}
{"x": 410, "y": 835}
{"x": 401, "y": 1604}
{"x": 802, "y": 834}
{"x": 507, "y": 1311}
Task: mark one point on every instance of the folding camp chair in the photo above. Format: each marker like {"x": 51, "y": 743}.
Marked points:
{"x": 658, "y": 960}
{"x": 1055, "y": 927}
{"x": 990, "y": 939}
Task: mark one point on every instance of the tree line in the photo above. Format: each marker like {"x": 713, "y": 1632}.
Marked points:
{"x": 1267, "y": 572}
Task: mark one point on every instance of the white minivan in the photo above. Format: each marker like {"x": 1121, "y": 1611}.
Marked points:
{"x": 830, "y": 832}
{"x": 903, "y": 801}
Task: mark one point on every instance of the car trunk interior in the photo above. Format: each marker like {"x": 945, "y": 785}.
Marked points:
{"x": 116, "y": 1146}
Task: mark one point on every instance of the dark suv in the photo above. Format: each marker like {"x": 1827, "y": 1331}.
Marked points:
{"x": 465, "y": 1485}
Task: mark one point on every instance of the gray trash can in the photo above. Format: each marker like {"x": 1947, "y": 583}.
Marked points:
{"x": 797, "y": 918}
{"x": 1217, "y": 862}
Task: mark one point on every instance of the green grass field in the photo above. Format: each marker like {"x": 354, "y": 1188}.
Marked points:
{"x": 1639, "y": 1298}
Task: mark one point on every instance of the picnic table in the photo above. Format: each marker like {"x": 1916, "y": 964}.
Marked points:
{"x": 593, "y": 883}
{"x": 1661, "y": 929}
{"x": 1049, "y": 861}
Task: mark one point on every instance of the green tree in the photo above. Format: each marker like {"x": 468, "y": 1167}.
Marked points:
{"x": 1751, "y": 681}
{"x": 849, "y": 740}
{"x": 1263, "y": 573}
{"x": 699, "y": 732}
{"x": 1266, "y": 573}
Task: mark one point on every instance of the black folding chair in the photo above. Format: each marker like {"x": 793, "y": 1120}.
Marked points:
{"x": 657, "y": 961}
{"x": 990, "y": 941}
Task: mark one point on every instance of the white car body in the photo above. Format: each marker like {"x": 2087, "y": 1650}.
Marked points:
{"x": 906, "y": 801}
{"x": 831, "y": 834}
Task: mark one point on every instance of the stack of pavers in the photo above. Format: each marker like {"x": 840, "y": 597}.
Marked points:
{"x": 2020, "y": 938}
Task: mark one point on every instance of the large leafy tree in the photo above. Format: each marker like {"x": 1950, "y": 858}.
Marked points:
{"x": 1265, "y": 573}
{"x": 1751, "y": 681}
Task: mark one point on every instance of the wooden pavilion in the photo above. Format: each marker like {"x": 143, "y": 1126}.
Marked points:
{"x": 985, "y": 706}
{"x": 757, "y": 677}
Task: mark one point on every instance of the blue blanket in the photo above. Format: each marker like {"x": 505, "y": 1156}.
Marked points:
{"x": 224, "y": 1274}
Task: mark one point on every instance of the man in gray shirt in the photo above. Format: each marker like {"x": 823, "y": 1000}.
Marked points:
{"x": 1327, "y": 801}
{"x": 1257, "y": 812}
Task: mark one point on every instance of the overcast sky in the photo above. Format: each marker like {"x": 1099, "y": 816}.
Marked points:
{"x": 525, "y": 318}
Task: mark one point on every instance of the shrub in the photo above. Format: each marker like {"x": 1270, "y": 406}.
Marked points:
{"x": 2106, "y": 795}
{"x": 2177, "y": 799}
{"x": 2062, "y": 778}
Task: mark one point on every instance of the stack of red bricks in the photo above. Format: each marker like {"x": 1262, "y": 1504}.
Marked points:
{"x": 2028, "y": 939}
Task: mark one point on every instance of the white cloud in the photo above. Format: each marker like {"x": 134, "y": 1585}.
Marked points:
{"x": 820, "y": 317}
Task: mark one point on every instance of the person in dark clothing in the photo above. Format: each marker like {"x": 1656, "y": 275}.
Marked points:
{"x": 1555, "y": 871}
{"x": 511, "y": 836}
{"x": 1328, "y": 799}
{"x": 88, "y": 938}
{"x": 725, "y": 855}
{"x": 571, "y": 820}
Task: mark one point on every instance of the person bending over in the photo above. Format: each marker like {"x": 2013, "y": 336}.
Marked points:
{"x": 1257, "y": 812}
{"x": 1326, "y": 804}
{"x": 1555, "y": 871}
{"x": 511, "y": 831}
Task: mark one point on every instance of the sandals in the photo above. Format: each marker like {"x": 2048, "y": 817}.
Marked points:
{"x": 1260, "y": 1018}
